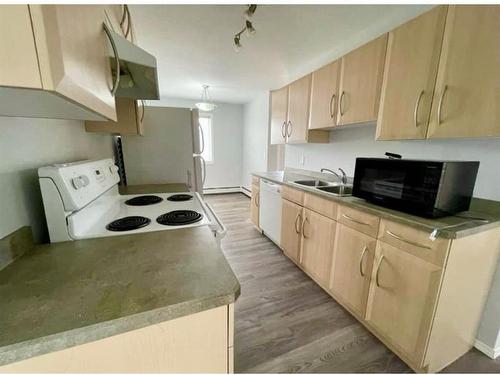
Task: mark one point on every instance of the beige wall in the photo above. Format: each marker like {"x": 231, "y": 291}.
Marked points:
{"x": 25, "y": 145}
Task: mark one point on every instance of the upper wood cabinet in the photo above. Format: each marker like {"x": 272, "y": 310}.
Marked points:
{"x": 402, "y": 297}
{"x": 291, "y": 227}
{"x": 360, "y": 82}
{"x": 71, "y": 61}
{"x": 351, "y": 268}
{"x": 318, "y": 234}
{"x": 467, "y": 100}
{"x": 130, "y": 121}
{"x": 324, "y": 96}
{"x": 410, "y": 69}
{"x": 279, "y": 112}
{"x": 18, "y": 60}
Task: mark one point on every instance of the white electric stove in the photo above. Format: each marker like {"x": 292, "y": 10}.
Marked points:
{"x": 81, "y": 200}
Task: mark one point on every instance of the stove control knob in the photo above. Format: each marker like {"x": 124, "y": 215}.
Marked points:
{"x": 80, "y": 182}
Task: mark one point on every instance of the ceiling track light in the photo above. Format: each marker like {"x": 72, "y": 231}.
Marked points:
{"x": 250, "y": 30}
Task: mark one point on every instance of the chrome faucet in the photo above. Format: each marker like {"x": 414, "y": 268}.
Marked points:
{"x": 342, "y": 178}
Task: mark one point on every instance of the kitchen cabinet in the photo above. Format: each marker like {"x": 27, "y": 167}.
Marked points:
{"x": 318, "y": 234}
{"x": 130, "y": 119}
{"x": 279, "y": 112}
{"x": 324, "y": 96}
{"x": 72, "y": 62}
{"x": 351, "y": 268}
{"x": 466, "y": 101}
{"x": 297, "y": 129}
{"x": 291, "y": 229}
{"x": 18, "y": 60}
{"x": 255, "y": 202}
{"x": 410, "y": 70}
{"x": 359, "y": 220}
{"x": 402, "y": 298}
{"x": 166, "y": 347}
{"x": 361, "y": 74}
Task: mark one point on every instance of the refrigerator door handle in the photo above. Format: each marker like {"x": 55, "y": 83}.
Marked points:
{"x": 204, "y": 170}
{"x": 202, "y": 138}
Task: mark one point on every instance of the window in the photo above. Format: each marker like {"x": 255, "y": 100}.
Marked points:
{"x": 206, "y": 128}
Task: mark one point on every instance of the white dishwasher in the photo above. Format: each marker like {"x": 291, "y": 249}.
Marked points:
{"x": 270, "y": 210}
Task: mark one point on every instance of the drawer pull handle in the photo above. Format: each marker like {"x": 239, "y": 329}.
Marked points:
{"x": 393, "y": 235}
{"x": 303, "y": 228}
{"x": 354, "y": 220}
{"x": 377, "y": 282}
{"x": 361, "y": 262}
{"x": 297, "y": 225}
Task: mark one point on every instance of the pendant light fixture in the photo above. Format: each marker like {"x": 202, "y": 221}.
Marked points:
{"x": 205, "y": 105}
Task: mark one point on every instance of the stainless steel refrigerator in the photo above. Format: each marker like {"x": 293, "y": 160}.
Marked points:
{"x": 169, "y": 152}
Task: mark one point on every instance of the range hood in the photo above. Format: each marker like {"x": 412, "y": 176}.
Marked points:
{"x": 138, "y": 71}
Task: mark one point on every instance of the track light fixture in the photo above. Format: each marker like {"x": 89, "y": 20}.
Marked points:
{"x": 250, "y": 30}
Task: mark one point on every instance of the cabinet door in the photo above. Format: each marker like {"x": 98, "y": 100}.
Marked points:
{"x": 298, "y": 110}
{"x": 254, "y": 205}
{"x": 409, "y": 76}
{"x": 403, "y": 293}
{"x": 324, "y": 96}
{"x": 73, "y": 54}
{"x": 130, "y": 115}
{"x": 466, "y": 100}
{"x": 352, "y": 268}
{"x": 318, "y": 234}
{"x": 291, "y": 221}
{"x": 360, "y": 82}
{"x": 279, "y": 108}
{"x": 18, "y": 60}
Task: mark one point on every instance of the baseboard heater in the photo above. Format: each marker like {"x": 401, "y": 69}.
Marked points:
{"x": 222, "y": 190}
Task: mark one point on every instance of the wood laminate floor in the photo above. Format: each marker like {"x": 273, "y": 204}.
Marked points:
{"x": 286, "y": 323}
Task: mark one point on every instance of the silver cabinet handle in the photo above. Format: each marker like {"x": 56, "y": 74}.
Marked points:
{"x": 365, "y": 249}
{"x": 440, "y": 104}
{"x": 289, "y": 129}
{"x": 143, "y": 110}
{"x": 394, "y": 235}
{"x": 283, "y": 131}
{"x": 354, "y": 220}
{"x": 126, "y": 16}
{"x": 332, "y": 106}
{"x": 415, "y": 111}
{"x": 378, "y": 270}
{"x": 117, "y": 59}
{"x": 297, "y": 225}
{"x": 303, "y": 227}
{"x": 341, "y": 104}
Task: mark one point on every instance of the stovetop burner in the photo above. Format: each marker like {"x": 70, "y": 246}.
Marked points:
{"x": 128, "y": 223}
{"x": 143, "y": 200}
{"x": 179, "y": 217}
{"x": 180, "y": 197}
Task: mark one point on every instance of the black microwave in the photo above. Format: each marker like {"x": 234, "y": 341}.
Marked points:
{"x": 426, "y": 188}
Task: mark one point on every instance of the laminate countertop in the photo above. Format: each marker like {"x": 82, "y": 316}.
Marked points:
{"x": 59, "y": 295}
{"x": 450, "y": 227}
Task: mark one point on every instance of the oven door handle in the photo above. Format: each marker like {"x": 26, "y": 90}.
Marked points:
{"x": 223, "y": 230}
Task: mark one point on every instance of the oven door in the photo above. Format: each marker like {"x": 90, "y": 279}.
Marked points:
{"x": 405, "y": 185}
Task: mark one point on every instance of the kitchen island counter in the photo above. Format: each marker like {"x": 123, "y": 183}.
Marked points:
{"x": 60, "y": 295}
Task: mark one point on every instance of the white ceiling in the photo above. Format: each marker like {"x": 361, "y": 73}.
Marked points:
{"x": 194, "y": 43}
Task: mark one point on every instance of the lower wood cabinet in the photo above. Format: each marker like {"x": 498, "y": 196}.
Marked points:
{"x": 254, "y": 205}
{"x": 318, "y": 234}
{"x": 402, "y": 297}
{"x": 197, "y": 343}
{"x": 352, "y": 268}
{"x": 291, "y": 229}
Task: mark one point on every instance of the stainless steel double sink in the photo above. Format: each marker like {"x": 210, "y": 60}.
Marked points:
{"x": 334, "y": 188}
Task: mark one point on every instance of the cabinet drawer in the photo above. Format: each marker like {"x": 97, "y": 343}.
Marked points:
{"x": 321, "y": 205}
{"x": 414, "y": 241}
{"x": 359, "y": 220}
{"x": 293, "y": 195}
{"x": 255, "y": 180}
